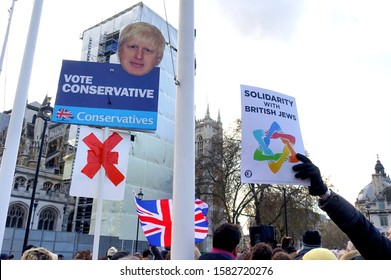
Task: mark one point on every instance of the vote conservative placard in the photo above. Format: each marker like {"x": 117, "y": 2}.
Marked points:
{"x": 103, "y": 94}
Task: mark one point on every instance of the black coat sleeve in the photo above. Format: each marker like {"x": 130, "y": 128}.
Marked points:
{"x": 366, "y": 238}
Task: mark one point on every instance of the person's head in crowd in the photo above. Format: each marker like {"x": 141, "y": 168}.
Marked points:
{"x": 312, "y": 238}
{"x": 29, "y": 246}
{"x": 227, "y": 237}
{"x": 60, "y": 256}
{"x": 147, "y": 254}
{"x": 277, "y": 249}
{"x": 351, "y": 255}
{"x": 262, "y": 251}
{"x": 6, "y": 257}
{"x": 83, "y": 255}
{"x": 111, "y": 251}
{"x": 319, "y": 254}
{"x": 38, "y": 253}
{"x": 286, "y": 242}
{"x": 123, "y": 255}
{"x": 165, "y": 251}
{"x": 140, "y": 48}
{"x": 281, "y": 255}
{"x": 138, "y": 255}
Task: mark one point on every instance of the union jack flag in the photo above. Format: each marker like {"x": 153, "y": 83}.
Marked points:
{"x": 155, "y": 220}
{"x": 64, "y": 114}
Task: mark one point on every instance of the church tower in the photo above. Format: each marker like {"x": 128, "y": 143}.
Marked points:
{"x": 208, "y": 135}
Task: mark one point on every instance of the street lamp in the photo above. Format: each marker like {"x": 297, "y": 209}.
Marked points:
{"x": 45, "y": 113}
{"x": 140, "y": 196}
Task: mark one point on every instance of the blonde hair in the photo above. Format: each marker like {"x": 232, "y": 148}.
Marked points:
{"x": 39, "y": 253}
{"x": 143, "y": 29}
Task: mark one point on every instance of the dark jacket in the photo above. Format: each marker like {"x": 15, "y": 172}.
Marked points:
{"x": 371, "y": 244}
{"x": 215, "y": 256}
{"x": 304, "y": 250}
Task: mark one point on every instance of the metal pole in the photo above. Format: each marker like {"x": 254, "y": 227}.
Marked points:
{"x": 27, "y": 232}
{"x": 286, "y": 215}
{"x": 11, "y": 11}
{"x": 138, "y": 224}
{"x": 35, "y": 208}
{"x": 182, "y": 244}
{"x": 140, "y": 195}
{"x": 10, "y": 154}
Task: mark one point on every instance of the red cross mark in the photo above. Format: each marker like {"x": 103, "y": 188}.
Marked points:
{"x": 100, "y": 154}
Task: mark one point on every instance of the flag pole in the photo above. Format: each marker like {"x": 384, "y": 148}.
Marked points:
{"x": 10, "y": 155}
{"x": 99, "y": 204}
{"x": 5, "y": 42}
{"x": 182, "y": 244}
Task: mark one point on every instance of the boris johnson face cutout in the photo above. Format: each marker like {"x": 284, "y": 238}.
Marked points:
{"x": 139, "y": 56}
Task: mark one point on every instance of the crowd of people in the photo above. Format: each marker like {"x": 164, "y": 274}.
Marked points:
{"x": 366, "y": 242}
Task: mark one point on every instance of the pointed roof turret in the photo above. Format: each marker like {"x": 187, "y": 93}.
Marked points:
{"x": 379, "y": 169}
{"x": 207, "y": 116}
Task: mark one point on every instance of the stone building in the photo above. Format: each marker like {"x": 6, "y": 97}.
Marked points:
{"x": 208, "y": 134}
{"x": 374, "y": 200}
{"x": 52, "y": 207}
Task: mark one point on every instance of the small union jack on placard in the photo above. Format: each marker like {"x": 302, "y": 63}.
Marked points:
{"x": 155, "y": 220}
{"x": 64, "y": 114}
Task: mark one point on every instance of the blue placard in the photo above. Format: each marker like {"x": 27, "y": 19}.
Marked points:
{"x": 103, "y": 94}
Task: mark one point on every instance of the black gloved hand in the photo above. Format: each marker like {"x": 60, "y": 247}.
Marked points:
{"x": 309, "y": 170}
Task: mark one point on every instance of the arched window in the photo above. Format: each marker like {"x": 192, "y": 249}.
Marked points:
{"x": 30, "y": 184}
{"x": 200, "y": 145}
{"x": 47, "y": 219}
{"x": 19, "y": 182}
{"x": 47, "y": 186}
{"x": 16, "y": 216}
{"x": 57, "y": 187}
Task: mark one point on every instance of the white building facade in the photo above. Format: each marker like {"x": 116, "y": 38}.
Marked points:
{"x": 374, "y": 200}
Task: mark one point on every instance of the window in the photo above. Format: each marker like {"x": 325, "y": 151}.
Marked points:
{"x": 200, "y": 145}
{"x": 47, "y": 219}
{"x": 57, "y": 187}
{"x": 47, "y": 186}
{"x": 16, "y": 215}
{"x": 383, "y": 221}
{"x": 381, "y": 205}
{"x": 30, "y": 184}
{"x": 19, "y": 182}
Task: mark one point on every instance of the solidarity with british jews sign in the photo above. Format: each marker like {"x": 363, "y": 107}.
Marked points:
{"x": 271, "y": 137}
{"x": 103, "y": 94}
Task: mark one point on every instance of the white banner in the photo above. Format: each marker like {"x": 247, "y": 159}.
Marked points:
{"x": 195, "y": 269}
{"x": 100, "y": 162}
{"x": 271, "y": 137}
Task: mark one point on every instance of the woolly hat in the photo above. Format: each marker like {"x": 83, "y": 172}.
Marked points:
{"x": 319, "y": 254}
{"x": 111, "y": 251}
{"x": 312, "y": 238}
